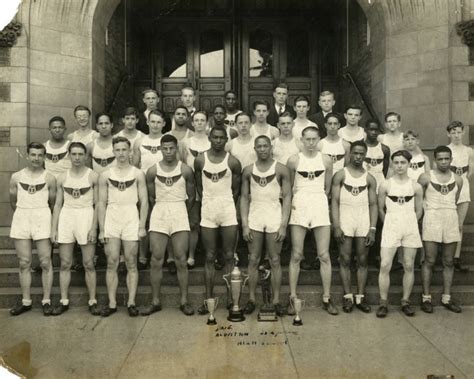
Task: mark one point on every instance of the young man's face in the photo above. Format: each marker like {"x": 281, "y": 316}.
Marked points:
{"x": 219, "y": 115}
{"x": 280, "y": 95}
{"x": 263, "y": 148}
{"x": 261, "y": 113}
{"x": 218, "y": 140}
{"x": 352, "y": 116}
{"x": 180, "y": 116}
{"x": 199, "y": 122}
{"x": 326, "y": 103}
{"x": 36, "y": 158}
{"x": 77, "y": 157}
{"x": 122, "y": 152}
{"x": 243, "y": 125}
{"x": 332, "y": 125}
{"x": 82, "y": 118}
{"x": 231, "y": 101}
{"x": 285, "y": 124}
{"x": 455, "y": 135}
{"x": 310, "y": 140}
{"x": 104, "y": 126}
{"x": 155, "y": 123}
{"x": 392, "y": 123}
{"x": 187, "y": 97}
{"x": 410, "y": 142}
{"x": 357, "y": 156}
{"x": 169, "y": 149}
{"x": 443, "y": 161}
{"x": 372, "y": 131}
{"x": 301, "y": 108}
{"x": 400, "y": 165}
{"x": 130, "y": 121}
{"x": 151, "y": 100}
{"x": 57, "y": 130}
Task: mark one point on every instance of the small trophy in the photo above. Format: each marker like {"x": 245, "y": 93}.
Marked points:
{"x": 267, "y": 311}
{"x": 211, "y": 305}
{"x": 235, "y": 281}
{"x": 297, "y": 305}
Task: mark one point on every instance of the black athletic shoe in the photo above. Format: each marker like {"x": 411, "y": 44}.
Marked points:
{"x": 107, "y": 311}
{"x": 452, "y": 306}
{"x": 150, "y": 309}
{"x": 279, "y": 309}
{"x": 202, "y": 310}
{"x": 330, "y": 308}
{"x": 94, "y": 310}
{"x": 19, "y": 309}
{"x": 47, "y": 309}
{"x": 59, "y": 309}
{"x": 186, "y": 309}
{"x": 363, "y": 305}
{"x": 249, "y": 307}
{"x": 347, "y": 305}
{"x": 427, "y": 307}
{"x": 382, "y": 311}
{"x": 133, "y": 310}
{"x": 408, "y": 310}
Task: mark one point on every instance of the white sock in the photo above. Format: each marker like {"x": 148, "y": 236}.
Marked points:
{"x": 92, "y": 302}
{"x": 359, "y": 298}
{"x": 426, "y": 298}
{"x": 169, "y": 260}
{"x": 46, "y": 301}
{"x": 142, "y": 260}
{"x": 112, "y": 305}
{"x": 64, "y": 302}
{"x": 326, "y": 298}
{"x": 26, "y": 303}
{"x": 349, "y": 296}
{"x": 445, "y": 299}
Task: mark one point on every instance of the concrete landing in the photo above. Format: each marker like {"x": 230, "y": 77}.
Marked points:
{"x": 169, "y": 344}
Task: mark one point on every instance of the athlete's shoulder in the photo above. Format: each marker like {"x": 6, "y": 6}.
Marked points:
{"x": 281, "y": 168}
{"x": 339, "y": 176}
{"x": 185, "y": 169}
{"x": 293, "y": 160}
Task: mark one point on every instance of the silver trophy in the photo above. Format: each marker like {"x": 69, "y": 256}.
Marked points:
{"x": 297, "y": 305}
{"x": 211, "y": 305}
{"x": 235, "y": 281}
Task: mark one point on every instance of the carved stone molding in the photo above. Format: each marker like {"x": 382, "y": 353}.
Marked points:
{"x": 9, "y": 34}
{"x": 465, "y": 29}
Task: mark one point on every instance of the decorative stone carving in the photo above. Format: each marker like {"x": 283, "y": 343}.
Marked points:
{"x": 465, "y": 29}
{"x": 9, "y": 34}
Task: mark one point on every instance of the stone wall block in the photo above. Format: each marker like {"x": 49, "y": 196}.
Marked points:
{"x": 19, "y": 93}
{"x": 460, "y": 91}
{"x": 52, "y": 96}
{"x": 4, "y": 186}
{"x": 13, "y": 74}
{"x": 459, "y": 56}
{"x": 434, "y": 60}
{"x": 44, "y": 112}
{"x": 75, "y": 45}
{"x": 464, "y": 112}
{"x": 9, "y": 161}
{"x": 13, "y": 114}
{"x": 18, "y": 57}
{"x": 461, "y": 73}
{"x": 402, "y": 44}
{"x": 394, "y": 99}
{"x": 18, "y": 136}
{"x": 45, "y": 39}
{"x": 433, "y": 38}
{"x": 402, "y": 81}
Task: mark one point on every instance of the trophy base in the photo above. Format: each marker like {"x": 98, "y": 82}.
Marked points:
{"x": 267, "y": 316}
{"x": 298, "y": 322}
{"x": 236, "y": 316}
{"x": 211, "y": 321}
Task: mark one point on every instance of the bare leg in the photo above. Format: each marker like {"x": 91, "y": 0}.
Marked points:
{"x": 180, "y": 241}
{"x": 386, "y": 258}
{"x": 112, "y": 252}
{"x": 88, "y": 253}
{"x": 345, "y": 254}
{"x": 431, "y": 251}
{"x": 228, "y": 237}
{"x": 409, "y": 255}
{"x": 462, "y": 212}
{"x": 23, "y": 250}
{"x": 274, "y": 251}
{"x": 322, "y": 235}
{"x": 130, "y": 251}
{"x": 363, "y": 261}
{"x": 298, "y": 234}
{"x": 255, "y": 252}
{"x": 448, "y": 266}
{"x": 143, "y": 251}
{"x": 65, "y": 252}
{"x": 158, "y": 242}
{"x": 209, "y": 236}
{"x": 44, "y": 255}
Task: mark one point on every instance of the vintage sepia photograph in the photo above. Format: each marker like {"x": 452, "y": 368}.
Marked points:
{"x": 236, "y": 189}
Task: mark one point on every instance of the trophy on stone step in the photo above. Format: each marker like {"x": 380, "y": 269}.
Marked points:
{"x": 235, "y": 281}
{"x": 267, "y": 310}
{"x": 297, "y": 305}
{"x": 211, "y": 305}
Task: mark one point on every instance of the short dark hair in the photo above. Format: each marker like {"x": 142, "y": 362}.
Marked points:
{"x": 82, "y": 108}
{"x": 373, "y": 121}
{"x": 156, "y": 113}
{"x": 332, "y": 114}
{"x": 410, "y": 133}
{"x": 182, "y": 107}
{"x": 144, "y": 92}
{"x": 389, "y": 114}
{"x": 218, "y": 106}
{"x": 130, "y": 111}
{"x": 301, "y": 98}
{"x": 230, "y": 91}
{"x": 218, "y": 128}
{"x": 358, "y": 143}
{"x": 263, "y": 136}
{"x": 442, "y": 149}
{"x": 402, "y": 153}
{"x": 200, "y": 112}
{"x": 260, "y": 102}
{"x": 100, "y": 114}
{"x": 35, "y": 145}
{"x": 120, "y": 139}
{"x": 280, "y": 85}
{"x": 80, "y": 145}
{"x": 169, "y": 138}
{"x": 285, "y": 114}
{"x": 310, "y": 128}
{"x": 353, "y": 106}
{"x": 455, "y": 124}
{"x": 57, "y": 118}
{"x": 188, "y": 86}
{"x": 242, "y": 114}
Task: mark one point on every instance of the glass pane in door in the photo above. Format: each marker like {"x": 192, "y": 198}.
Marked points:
{"x": 211, "y": 54}
{"x": 260, "y": 54}
{"x": 174, "y": 50}
{"x": 297, "y": 53}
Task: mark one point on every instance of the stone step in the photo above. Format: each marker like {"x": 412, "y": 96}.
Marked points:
{"x": 170, "y": 295}
{"x": 9, "y": 277}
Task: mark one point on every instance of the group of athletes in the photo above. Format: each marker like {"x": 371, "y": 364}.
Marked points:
{"x": 149, "y": 190}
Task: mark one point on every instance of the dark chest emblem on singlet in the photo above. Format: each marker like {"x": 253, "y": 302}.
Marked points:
{"x": 373, "y": 161}
{"x": 104, "y": 162}
{"x": 168, "y": 180}
{"x": 443, "y": 189}
{"x": 310, "y": 175}
{"x": 417, "y": 165}
{"x": 216, "y": 176}
{"x": 122, "y": 186}
{"x": 400, "y": 200}
{"x": 152, "y": 149}
{"x": 263, "y": 180}
{"x": 32, "y": 188}
{"x": 459, "y": 170}
{"x": 194, "y": 152}
{"x": 336, "y": 157}
{"x": 354, "y": 190}
{"x": 55, "y": 157}
{"x": 76, "y": 193}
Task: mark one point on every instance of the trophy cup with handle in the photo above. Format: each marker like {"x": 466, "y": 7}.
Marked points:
{"x": 211, "y": 305}
{"x": 298, "y": 305}
{"x": 235, "y": 281}
{"x": 267, "y": 311}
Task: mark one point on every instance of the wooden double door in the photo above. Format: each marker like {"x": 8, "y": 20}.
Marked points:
{"x": 249, "y": 56}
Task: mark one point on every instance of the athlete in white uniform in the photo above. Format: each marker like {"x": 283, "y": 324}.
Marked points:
{"x": 231, "y": 108}
{"x": 100, "y": 150}
{"x": 420, "y": 163}
{"x": 56, "y": 158}
{"x": 440, "y": 225}
{"x": 301, "y": 121}
{"x": 333, "y": 146}
{"x": 130, "y": 120}
{"x": 219, "y": 119}
{"x": 400, "y": 207}
{"x": 218, "y": 184}
{"x": 121, "y": 224}
{"x": 32, "y": 195}
{"x": 263, "y": 217}
{"x": 377, "y": 159}
{"x": 261, "y": 127}
{"x": 75, "y": 220}
{"x": 352, "y": 131}
{"x": 171, "y": 189}
{"x": 462, "y": 165}
{"x": 354, "y": 216}
{"x": 180, "y": 120}
{"x": 84, "y": 133}
{"x": 286, "y": 144}
{"x": 242, "y": 146}
{"x": 311, "y": 175}
{"x": 393, "y": 138}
